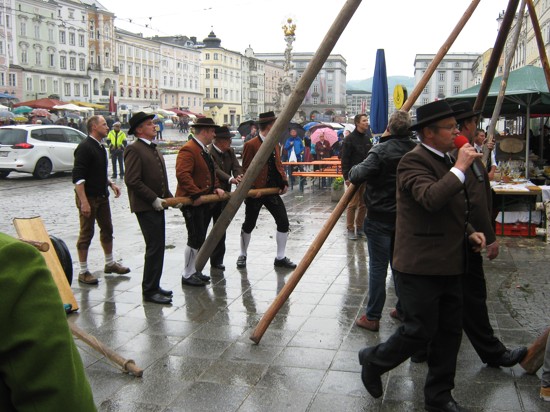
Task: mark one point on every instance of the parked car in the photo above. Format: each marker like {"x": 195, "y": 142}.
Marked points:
{"x": 38, "y": 149}
{"x": 237, "y": 143}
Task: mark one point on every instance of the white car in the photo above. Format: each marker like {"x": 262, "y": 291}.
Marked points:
{"x": 38, "y": 149}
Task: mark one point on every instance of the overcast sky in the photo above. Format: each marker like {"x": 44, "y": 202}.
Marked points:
{"x": 402, "y": 27}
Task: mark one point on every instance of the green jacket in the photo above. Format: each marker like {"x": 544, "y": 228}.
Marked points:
{"x": 116, "y": 141}
{"x": 40, "y": 367}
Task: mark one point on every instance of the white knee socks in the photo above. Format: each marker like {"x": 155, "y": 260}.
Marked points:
{"x": 190, "y": 255}
{"x": 245, "y": 241}
{"x": 281, "y": 244}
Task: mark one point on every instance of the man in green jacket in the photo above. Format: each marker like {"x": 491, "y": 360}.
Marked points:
{"x": 40, "y": 367}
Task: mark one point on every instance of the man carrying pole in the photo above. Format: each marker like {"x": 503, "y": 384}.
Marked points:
{"x": 271, "y": 175}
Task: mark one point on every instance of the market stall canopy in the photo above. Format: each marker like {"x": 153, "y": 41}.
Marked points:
{"x": 20, "y": 109}
{"x": 44, "y": 103}
{"x": 7, "y": 96}
{"x": 526, "y": 91}
{"x": 166, "y": 113}
{"x": 90, "y": 105}
{"x": 72, "y": 107}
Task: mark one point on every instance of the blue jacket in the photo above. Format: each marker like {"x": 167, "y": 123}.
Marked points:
{"x": 298, "y": 147}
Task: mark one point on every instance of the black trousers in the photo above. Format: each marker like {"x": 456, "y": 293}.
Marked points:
{"x": 274, "y": 204}
{"x": 152, "y": 226}
{"x": 219, "y": 251}
{"x": 476, "y": 317}
{"x": 432, "y": 306}
{"x": 197, "y": 219}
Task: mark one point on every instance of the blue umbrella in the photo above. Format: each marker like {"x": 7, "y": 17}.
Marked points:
{"x": 379, "y": 102}
{"x": 307, "y": 126}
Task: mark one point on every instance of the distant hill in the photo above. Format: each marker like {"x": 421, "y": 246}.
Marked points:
{"x": 366, "y": 84}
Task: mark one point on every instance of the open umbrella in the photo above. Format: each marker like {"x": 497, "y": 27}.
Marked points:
{"x": 379, "y": 102}
{"x": 5, "y": 114}
{"x": 319, "y": 126}
{"x": 22, "y": 110}
{"x": 307, "y": 126}
{"x": 40, "y": 113}
{"x": 244, "y": 127}
{"x": 298, "y": 128}
{"x": 330, "y": 135}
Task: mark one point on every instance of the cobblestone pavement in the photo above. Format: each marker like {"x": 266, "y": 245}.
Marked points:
{"x": 197, "y": 354}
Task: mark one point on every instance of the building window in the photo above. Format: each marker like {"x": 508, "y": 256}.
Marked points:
{"x": 315, "y": 100}
{"x": 67, "y": 89}
{"x": 81, "y": 40}
{"x": 38, "y": 57}
{"x": 51, "y": 59}
{"x": 12, "y": 79}
{"x": 36, "y": 32}
{"x": 207, "y": 73}
{"x": 72, "y": 39}
{"x": 130, "y": 69}
{"x": 50, "y": 34}
{"x": 29, "y": 83}
{"x": 85, "y": 90}
{"x": 216, "y": 57}
{"x": 207, "y": 56}
{"x": 82, "y": 64}
{"x": 329, "y": 100}
{"x": 207, "y": 93}
{"x": 63, "y": 62}
{"x": 426, "y": 90}
{"x": 425, "y": 100}
{"x": 24, "y": 56}
{"x": 441, "y": 76}
{"x": 216, "y": 74}
{"x": 77, "y": 89}
{"x": 457, "y": 76}
{"x": 43, "y": 85}
{"x": 440, "y": 90}
{"x": 62, "y": 37}
{"x": 23, "y": 29}
{"x": 72, "y": 63}
{"x": 215, "y": 92}
{"x": 2, "y": 79}
{"x": 456, "y": 89}
{"x": 55, "y": 86}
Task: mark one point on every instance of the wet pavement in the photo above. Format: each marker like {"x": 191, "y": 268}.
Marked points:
{"x": 196, "y": 353}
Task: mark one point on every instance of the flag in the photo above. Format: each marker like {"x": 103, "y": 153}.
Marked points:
{"x": 112, "y": 105}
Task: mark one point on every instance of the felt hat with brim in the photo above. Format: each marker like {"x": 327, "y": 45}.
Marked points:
{"x": 267, "y": 117}
{"x": 466, "y": 109}
{"x": 223, "y": 133}
{"x": 205, "y": 122}
{"x": 431, "y": 113}
{"x": 138, "y": 119}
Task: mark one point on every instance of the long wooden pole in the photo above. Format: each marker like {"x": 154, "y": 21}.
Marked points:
{"x": 503, "y": 84}
{"x": 317, "y": 243}
{"x": 540, "y": 42}
{"x": 439, "y": 56}
{"x": 127, "y": 365}
{"x": 494, "y": 60}
{"x": 187, "y": 201}
{"x": 272, "y": 138}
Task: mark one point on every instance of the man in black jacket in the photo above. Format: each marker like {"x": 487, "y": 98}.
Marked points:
{"x": 379, "y": 171}
{"x": 354, "y": 150}
{"x": 92, "y": 199}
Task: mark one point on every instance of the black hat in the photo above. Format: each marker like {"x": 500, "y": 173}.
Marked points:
{"x": 432, "y": 112}
{"x": 138, "y": 119}
{"x": 466, "y": 109}
{"x": 223, "y": 133}
{"x": 205, "y": 122}
{"x": 267, "y": 117}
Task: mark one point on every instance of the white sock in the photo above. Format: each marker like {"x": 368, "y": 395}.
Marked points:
{"x": 83, "y": 267}
{"x": 281, "y": 244}
{"x": 189, "y": 255}
{"x": 245, "y": 241}
{"x": 109, "y": 259}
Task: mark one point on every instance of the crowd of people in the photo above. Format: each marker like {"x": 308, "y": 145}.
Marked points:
{"x": 422, "y": 208}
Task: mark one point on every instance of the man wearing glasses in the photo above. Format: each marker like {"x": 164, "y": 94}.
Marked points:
{"x": 428, "y": 261}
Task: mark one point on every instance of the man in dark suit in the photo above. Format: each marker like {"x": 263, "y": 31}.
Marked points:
{"x": 196, "y": 176}
{"x": 430, "y": 245}
{"x": 229, "y": 172}
{"x": 147, "y": 184}
{"x": 271, "y": 175}
{"x": 476, "y": 317}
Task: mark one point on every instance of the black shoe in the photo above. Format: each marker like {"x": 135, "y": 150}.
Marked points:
{"x": 192, "y": 280}
{"x": 241, "y": 262}
{"x": 165, "y": 292}
{"x": 370, "y": 375}
{"x": 204, "y": 278}
{"x": 157, "y": 298}
{"x": 450, "y": 406}
{"x": 219, "y": 266}
{"x": 509, "y": 358}
{"x": 419, "y": 357}
{"x": 284, "y": 263}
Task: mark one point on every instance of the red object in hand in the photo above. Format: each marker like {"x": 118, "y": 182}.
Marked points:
{"x": 460, "y": 141}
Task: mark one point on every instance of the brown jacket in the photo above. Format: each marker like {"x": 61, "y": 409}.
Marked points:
{"x": 431, "y": 216}
{"x": 194, "y": 176}
{"x": 145, "y": 176}
{"x": 250, "y": 149}
{"x": 227, "y": 166}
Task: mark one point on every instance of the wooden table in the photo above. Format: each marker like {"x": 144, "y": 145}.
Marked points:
{"x": 327, "y": 168}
